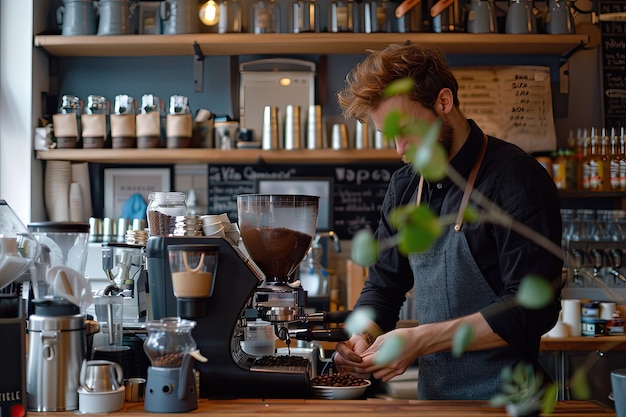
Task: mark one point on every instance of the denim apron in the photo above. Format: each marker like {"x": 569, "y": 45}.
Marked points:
{"x": 449, "y": 284}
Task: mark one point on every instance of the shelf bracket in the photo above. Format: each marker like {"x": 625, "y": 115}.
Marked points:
{"x": 198, "y": 67}
{"x": 567, "y": 55}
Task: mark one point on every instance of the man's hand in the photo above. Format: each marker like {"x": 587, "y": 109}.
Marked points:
{"x": 347, "y": 356}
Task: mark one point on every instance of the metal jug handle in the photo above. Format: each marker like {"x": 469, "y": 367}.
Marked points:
{"x": 83, "y": 370}
{"x": 60, "y": 13}
{"x": 119, "y": 372}
{"x": 131, "y": 9}
{"x": 165, "y": 10}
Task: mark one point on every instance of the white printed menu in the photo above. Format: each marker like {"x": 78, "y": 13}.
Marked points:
{"x": 510, "y": 103}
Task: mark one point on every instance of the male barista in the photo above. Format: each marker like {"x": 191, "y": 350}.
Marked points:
{"x": 472, "y": 272}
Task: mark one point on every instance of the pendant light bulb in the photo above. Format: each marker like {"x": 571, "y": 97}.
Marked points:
{"x": 209, "y": 13}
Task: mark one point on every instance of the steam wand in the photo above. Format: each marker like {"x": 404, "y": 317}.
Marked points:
{"x": 616, "y": 257}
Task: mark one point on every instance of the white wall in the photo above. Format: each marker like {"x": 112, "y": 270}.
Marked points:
{"x": 15, "y": 104}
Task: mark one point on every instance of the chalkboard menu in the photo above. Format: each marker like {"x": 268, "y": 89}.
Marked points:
{"x": 614, "y": 64}
{"x": 357, "y": 189}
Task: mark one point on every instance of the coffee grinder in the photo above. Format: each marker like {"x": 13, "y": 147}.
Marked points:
{"x": 124, "y": 265}
{"x": 277, "y": 231}
{"x": 171, "y": 382}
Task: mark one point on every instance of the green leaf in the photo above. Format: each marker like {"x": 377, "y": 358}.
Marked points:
{"x": 427, "y": 156}
{"x": 392, "y": 124}
{"x": 364, "y": 248}
{"x": 398, "y": 87}
{"x": 580, "y": 385}
{"x": 435, "y": 168}
{"x": 534, "y": 292}
{"x": 417, "y": 226}
{"x": 548, "y": 402}
{"x": 462, "y": 338}
{"x": 389, "y": 350}
{"x": 359, "y": 320}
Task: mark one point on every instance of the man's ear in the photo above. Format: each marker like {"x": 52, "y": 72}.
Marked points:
{"x": 445, "y": 102}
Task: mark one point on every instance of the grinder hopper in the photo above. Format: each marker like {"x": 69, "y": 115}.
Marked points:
{"x": 277, "y": 231}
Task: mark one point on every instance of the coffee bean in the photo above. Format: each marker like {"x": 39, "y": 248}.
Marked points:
{"x": 338, "y": 380}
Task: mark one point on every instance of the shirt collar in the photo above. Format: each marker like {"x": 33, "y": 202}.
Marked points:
{"x": 464, "y": 160}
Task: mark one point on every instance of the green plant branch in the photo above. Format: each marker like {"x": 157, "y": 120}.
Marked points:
{"x": 494, "y": 214}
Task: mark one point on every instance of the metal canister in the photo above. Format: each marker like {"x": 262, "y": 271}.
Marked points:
{"x": 56, "y": 350}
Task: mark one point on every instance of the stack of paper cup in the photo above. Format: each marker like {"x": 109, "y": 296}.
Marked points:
{"x": 571, "y": 315}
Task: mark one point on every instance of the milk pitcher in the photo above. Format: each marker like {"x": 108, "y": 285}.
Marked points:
{"x": 559, "y": 17}
{"x": 180, "y": 16}
{"x": 77, "y": 17}
{"x": 520, "y": 17}
{"x": 116, "y": 17}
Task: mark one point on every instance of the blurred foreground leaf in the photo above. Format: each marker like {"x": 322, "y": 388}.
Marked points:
{"x": 389, "y": 350}
{"x": 580, "y": 385}
{"x": 359, "y": 320}
{"x": 417, "y": 227}
{"x": 535, "y": 292}
{"x": 548, "y": 401}
{"x": 463, "y": 337}
{"x": 398, "y": 87}
{"x": 364, "y": 248}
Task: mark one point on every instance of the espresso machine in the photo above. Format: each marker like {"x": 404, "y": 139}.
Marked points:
{"x": 250, "y": 283}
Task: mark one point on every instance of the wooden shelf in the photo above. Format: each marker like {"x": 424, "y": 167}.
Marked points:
{"x": 304, "y": 43}
{"x": 195, "y": 155}
{"x": 583, "y": 343}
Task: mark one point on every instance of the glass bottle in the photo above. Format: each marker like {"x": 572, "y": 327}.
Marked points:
{"x": 586, "y": 159}
{"x": 163, "y": 207}
{"x": 596, "y": 163}
{"x": 622, "y": 160}
{"x": 614, "y": 160}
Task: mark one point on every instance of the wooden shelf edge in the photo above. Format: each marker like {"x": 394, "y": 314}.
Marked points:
{"x": 307, "y": 43}
{"x": 196, "y": 155}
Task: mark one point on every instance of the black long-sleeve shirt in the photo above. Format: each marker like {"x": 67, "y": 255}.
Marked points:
{"x": 517, "y": 183}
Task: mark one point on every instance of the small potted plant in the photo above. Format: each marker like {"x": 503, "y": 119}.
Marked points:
{"x": 523, "y": 393}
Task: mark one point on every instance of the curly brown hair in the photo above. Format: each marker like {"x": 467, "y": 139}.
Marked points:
{"x": 426, "y": 64}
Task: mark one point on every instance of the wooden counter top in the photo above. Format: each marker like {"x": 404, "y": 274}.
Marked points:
{"x": 580, "y": 343}
{"x": 583, "y": 343}
{"x": 370, "y": 407}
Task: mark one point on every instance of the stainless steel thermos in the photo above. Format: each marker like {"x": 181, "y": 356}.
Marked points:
{"x": 56, "y": 349}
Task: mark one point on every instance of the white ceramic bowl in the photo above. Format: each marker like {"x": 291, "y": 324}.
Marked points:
{"x": 339, "y": 393}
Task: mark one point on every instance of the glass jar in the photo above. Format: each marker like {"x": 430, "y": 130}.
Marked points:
{"x": 70, "y": 105}
{"x": 163, "y": 207}
{"x": 265, "y": 17}
{"x": 230, "y": 19}
{"x": 124, "y": 104}
{"x": 341, "y": 14}
{"x": 97, "y": 105}
{"x": 304, "y": 16}
{"x": 169, "y": 339}
{"x": 376, "y": 17}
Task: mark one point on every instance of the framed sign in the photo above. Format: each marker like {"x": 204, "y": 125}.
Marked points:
{"x": 122, "y": 183}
